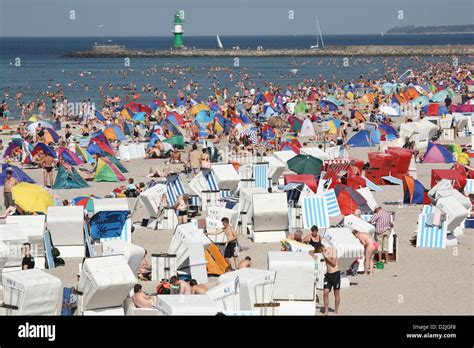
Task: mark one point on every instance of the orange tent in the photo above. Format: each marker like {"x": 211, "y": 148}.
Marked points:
{"x": 413, "y": 93}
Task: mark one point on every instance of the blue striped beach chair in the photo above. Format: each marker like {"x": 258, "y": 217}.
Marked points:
{"x": 427, "y": 210}
{"x": 315, "y": 212}
{"x": 469, "y": 188}
{"x": 430, "y": 236}
{"x": 260, "y": 175}
{"x": 331, "y": 200}
{"x": 175, "y": 189}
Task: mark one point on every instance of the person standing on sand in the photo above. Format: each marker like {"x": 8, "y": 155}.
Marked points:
{"x": 370, "y": 246}
{"x": 10, "y": 181}
{"x": 383, "y": 227}
{"x": 332, "y": 279}
{"x": 232, "y": 247}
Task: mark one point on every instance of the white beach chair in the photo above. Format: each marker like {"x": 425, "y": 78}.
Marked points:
{"x": 163, "y": 266}
{"x": 275, "y": 167}
{"x": 66, "y": 225}
{"x": 347, "y": 246}
{"x": 227, "y": 178}
{"x": 186, "y": 305}
{"x": 153, "y": 199}
{"x": 104, "y": 285}
{"x": 294, "y": 287}
{"x": 270, "y": 217}
{"x": 13, "y": 236}
{"x": 34, "y": 227}
{"x": 31, "y": 292}
{"x": 115, "y": 204}
{"x": 132, "y": 253}
{"x": 188, "y": 244}
{"x": 256, "y": 286}
{"x": 246, "y": 207}
{"x": 315, "y": 152}
{"x": 226, "y": 295}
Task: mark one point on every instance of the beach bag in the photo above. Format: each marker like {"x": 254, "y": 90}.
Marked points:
{"x": 163, "y": 288}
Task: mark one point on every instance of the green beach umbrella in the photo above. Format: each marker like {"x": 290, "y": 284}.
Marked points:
{"x": 305, "y": 164}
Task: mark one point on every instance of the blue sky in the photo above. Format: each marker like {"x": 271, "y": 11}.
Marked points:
{"x": 228, "y": 17}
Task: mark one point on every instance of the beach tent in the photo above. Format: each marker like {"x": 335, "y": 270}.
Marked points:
{"x": 197, "y": 108}
{"x": 69, "y": 157}
{"x": 329, "y": 104}
{"x": 84, "y": 155}
{"x": 203, "y": 117}
{"x": 12, "y": 146}
{"x": 105, "y": 170}
{"x": 357, "y": 115}
{"x": 138, "y": 117}
{"x": 350, "y": 200}
{"x": 413, "y": 191}
{"x": 441, "y": 95}
{"x": 99, "y": 115}
{"x": 68, "y": 178}
{"x": 117, "y": 163}
{"x": 50, "y": 136}
{"x": 388, "y": 131}
{"x": 287, "y": 146}
{"x": 421, "y": 101}
{"x": 175, "y": 118}
{"x": 17, "y": 173}
{"x": 32, "y": 127}
{"x": 295, "y": 123}
{"x": 113, "y": 132}
{"x": 365, "y": 138}
{"x": 367, "y": 98}
{"x": 437, "y": 153}
{"x": 387, "y": 88}
{"x": 307, "y": 129}
{"x": 45, "y": 148}
{"x": 175, "y": 140}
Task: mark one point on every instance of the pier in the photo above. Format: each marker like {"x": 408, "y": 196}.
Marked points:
{"x": 328, "y": 51}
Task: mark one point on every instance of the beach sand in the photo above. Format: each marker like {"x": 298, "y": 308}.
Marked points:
{"x": 422, "y": 282}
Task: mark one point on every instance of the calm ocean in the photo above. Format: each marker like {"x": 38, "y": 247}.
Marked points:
{"x": 42, "y": 67}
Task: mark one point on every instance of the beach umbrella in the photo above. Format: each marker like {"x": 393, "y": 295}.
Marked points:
{"x": 85, "y": 201}
{"x": 305, "y": 164}
{"x": 32, "y": 198}
{"x": 203, "y": 117}
{"x": 327, "y": 103}
{"x": 113, "y": 132}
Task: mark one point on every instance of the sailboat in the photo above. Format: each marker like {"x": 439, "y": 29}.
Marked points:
{"x": 219, "y": 43}
{"x": 319, "y": 36}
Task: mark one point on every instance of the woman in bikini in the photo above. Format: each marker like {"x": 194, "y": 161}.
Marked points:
{"x": 370, "y": 246}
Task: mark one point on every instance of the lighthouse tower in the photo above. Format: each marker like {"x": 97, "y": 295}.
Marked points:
{"x": 178, "y": 31}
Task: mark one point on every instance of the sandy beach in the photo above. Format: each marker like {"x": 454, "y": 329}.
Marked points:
{"x": 422, "y": 282}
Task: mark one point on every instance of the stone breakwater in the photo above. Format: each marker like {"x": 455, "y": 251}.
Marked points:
{"x": 331, "y": 51}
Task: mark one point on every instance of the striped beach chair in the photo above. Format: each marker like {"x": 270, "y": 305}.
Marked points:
{"x": 430, "y": 236}
{"x": 331, "y": 200}
{"x": 175, "y": 189}
{"x": 260, "y": 175}
{"x": 469, "y": 188}
{"x": 315, "y": 212}
{"x": 428, "y": 209}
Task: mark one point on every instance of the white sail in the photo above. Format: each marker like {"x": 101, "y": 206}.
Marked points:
{"x": 219, "y": 43}
{"x": 319, "y": 36}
